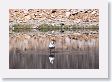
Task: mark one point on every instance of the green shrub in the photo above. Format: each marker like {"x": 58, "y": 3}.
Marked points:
{"x": 93, "y": 26}
{"x": 50, "y": 27}
{"x": 21, "y": 27}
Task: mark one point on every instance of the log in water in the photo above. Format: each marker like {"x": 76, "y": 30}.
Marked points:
{"x": 70, "y": 53}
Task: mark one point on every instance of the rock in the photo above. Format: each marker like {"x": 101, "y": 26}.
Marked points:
{"x": 54, "y": 16}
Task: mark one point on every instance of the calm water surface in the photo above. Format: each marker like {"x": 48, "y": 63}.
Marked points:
{"x": 33, "y": 53}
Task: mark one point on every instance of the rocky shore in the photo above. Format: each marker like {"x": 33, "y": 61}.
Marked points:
{"x": 29, "y": 41}
{"x": 36, "y": 17}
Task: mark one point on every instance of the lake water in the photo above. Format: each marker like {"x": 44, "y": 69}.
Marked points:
{"x": 69, "y": 53}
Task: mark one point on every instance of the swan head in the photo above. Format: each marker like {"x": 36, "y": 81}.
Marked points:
{"x": 53, "y": 41}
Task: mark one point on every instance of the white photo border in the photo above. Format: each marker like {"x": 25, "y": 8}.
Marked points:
{"x": 102, "y": 72}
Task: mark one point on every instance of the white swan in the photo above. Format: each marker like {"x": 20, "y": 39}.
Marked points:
{"x": 51, "y": 45}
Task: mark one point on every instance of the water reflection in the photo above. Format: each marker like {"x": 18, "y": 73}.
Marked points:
{"x": 51, "y": 58}
{"x": 71, "y": 51}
